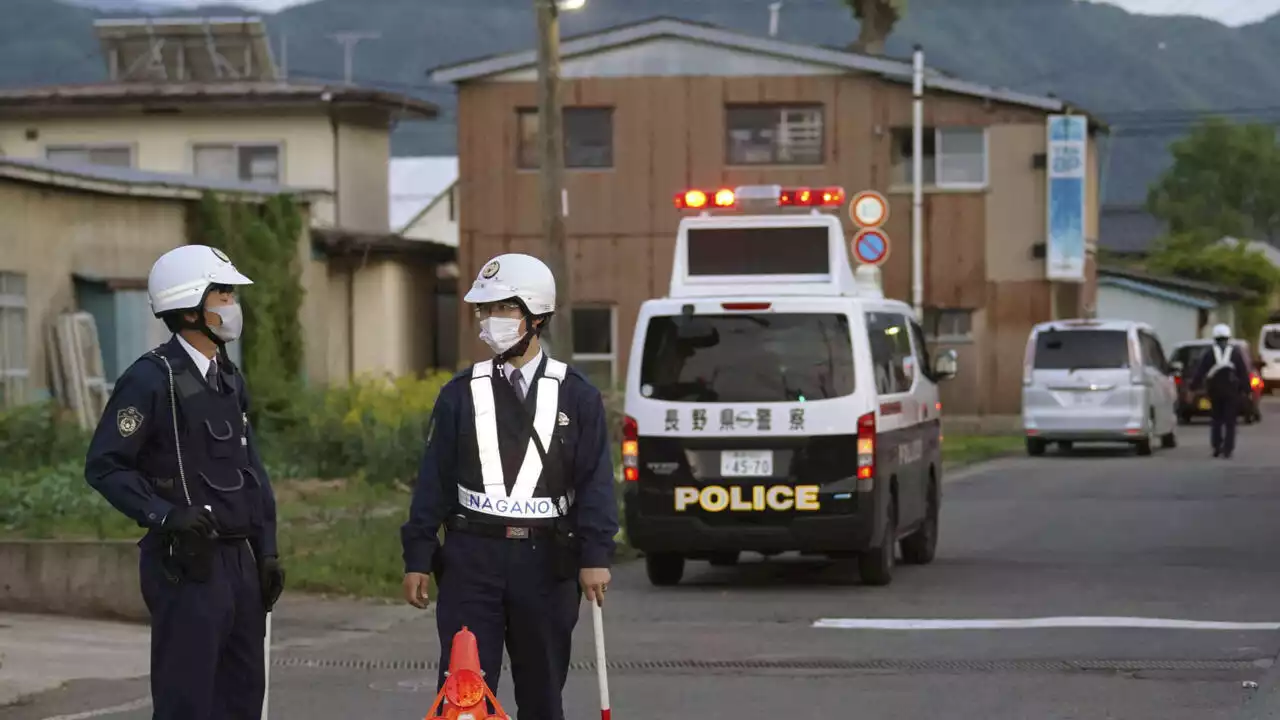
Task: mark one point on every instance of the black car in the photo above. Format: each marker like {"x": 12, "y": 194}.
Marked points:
{"x": 1194, "y": 403}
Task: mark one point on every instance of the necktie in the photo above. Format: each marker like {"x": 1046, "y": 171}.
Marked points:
{"x": 211, "y": 376}
{"x": 517, "y": 382}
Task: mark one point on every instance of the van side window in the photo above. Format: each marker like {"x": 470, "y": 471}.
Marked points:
{"x": 894, "y": 364}
{"x": 922, "y": 349}
{"x": 1152, "y": 353}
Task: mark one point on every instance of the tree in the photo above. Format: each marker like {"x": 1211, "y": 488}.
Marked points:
{"x": 1224, "y": 181}
{"x": 876, "y": 19}
{"x": 1199, "y": 256}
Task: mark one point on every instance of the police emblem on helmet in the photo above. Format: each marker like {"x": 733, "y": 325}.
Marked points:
{"x": 220, "y": 255}
{"x": 489, "y": 270}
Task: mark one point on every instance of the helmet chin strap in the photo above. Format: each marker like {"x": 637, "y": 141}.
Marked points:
{"x": 520, "y": 347}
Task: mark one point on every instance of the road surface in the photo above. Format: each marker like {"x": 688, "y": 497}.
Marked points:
{"x": 1158, "y": 578}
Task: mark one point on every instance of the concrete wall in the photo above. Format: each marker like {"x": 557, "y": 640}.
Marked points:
{"x": 363, "y": 156}
{"x": 165, "y": 143}
{"x": 69, "y": 577}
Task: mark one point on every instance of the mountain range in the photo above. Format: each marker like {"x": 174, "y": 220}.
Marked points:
{"x": 1149, "y": 77}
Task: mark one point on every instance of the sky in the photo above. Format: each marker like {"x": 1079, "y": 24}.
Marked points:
{"x": 1228, "y": 12}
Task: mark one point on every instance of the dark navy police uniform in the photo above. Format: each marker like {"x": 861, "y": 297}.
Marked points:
{"x": 1227, "y": 378}
{"x": 208, "y": 612}
{"x": 525, "y": 491}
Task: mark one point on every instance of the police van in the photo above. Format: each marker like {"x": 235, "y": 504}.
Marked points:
{"x": 776, "y": 401}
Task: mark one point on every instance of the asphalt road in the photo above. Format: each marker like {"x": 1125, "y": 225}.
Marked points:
{"x": 1178, "y": 537}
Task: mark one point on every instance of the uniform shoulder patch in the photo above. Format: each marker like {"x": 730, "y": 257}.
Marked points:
{"x": 562, "y": 419}
{"x": 128, "y": 421}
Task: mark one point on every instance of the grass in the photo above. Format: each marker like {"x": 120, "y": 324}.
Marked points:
{"x": 961, "y": 450}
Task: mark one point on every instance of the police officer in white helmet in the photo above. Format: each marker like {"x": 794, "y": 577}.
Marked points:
{"x": 518, "y": 469}
{"x": 1225, "y": 375}
{"x": 174, "y": 452}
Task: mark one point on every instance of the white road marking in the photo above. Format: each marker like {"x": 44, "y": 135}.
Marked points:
{"x": 126, "y": 707}
{"x": 1031, "y": 623}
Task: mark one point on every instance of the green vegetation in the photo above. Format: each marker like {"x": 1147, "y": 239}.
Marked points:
{"x": 1224, "y": 182}
{"x": 961, "y": 450}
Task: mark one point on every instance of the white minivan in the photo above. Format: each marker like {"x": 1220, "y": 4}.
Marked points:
{"x": 1097, "y": 381}
{"x": 1269, "y": 354}
{"x": 778, "y": 403}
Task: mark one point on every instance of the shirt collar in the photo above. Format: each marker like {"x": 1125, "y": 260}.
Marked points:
{"x": 528, "y": 370}
{"x": 197, "y": 357}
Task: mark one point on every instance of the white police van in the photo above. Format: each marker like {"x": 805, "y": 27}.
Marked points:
{"x": 776, "y": 401}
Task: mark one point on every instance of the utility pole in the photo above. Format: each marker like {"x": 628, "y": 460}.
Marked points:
{"x": 551, "y": 146}
{"x": 349, "y": 40}
{"x": 917, "y": 183}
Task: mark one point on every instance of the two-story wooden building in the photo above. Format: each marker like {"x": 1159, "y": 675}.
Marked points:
{"x": 653, "y": 108}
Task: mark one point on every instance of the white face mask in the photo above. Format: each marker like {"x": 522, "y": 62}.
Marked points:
{"x": 232, "y": 322}
{"x": 500, "y": 333}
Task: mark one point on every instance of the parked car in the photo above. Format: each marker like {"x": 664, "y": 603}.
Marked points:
{"x": 1097, "y": 381}
{"x": 1269, "y": 356}
{"x": 1193, "y": 403}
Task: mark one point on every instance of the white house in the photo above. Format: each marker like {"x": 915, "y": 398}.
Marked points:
{"x": 1179, "y": 310}
{"x": 424, "y": 198}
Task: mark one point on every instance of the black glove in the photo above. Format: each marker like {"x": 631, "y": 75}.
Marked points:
{"x": 196, "y": 520}
{"x": 271, "y": 580}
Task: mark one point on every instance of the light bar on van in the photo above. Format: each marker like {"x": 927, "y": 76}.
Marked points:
{"x": 776, "y": 195}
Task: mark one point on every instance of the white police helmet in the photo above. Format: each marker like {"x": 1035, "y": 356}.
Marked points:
{"x": 181, "y": 277}
{"x": 1221, "y": 330}
{"x": 515, "y": 275}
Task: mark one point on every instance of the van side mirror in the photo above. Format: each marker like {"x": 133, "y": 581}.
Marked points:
{"x": 945, "y": 365}
{"x": 1176, "y": 367}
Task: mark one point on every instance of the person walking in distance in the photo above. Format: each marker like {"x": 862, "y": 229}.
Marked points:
{"x": 174, "y": 452}
{"x": 1225, "y": 376}
{"x": 517, "y": 468}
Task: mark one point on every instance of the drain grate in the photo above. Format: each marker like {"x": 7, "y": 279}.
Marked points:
{"x": 925, "y": 666}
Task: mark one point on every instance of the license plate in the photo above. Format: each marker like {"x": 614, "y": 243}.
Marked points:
{"x": 746, "y": 463}
{"x": 1204, "y": 404}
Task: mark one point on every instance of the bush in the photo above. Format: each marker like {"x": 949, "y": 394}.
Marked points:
{"x": 55, "y": 502}
{"x": 373, "y": 429}
{"x": 39, "y": 435}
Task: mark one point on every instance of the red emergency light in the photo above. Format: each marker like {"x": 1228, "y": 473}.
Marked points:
{"x": 696, "y": 199}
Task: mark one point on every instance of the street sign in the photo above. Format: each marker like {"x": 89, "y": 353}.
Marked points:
{"x": 871, "y": 246}
{"x": 869, "y": 209}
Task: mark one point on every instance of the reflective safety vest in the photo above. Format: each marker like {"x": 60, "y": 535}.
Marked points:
{"x": 1221, "y": 360}
{"x": 529, "y": 498}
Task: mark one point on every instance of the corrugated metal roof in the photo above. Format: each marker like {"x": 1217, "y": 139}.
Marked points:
{"x": 162, "y": 183}
{"x": 53, "y": 97}
{"x": 414, "y": 182}
{"x": 889, "y": 69}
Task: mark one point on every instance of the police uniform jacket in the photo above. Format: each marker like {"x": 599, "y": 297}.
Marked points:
{"x": 133, "y": 459}
{"x": 452, "y": 479}
{"x": 1223, "y": 381}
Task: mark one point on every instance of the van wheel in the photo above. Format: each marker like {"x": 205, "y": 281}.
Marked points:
{"x": 664, "y": 568}
{"x": 875, "y": 566}
{"x": 1035, "y": 447}
{"x": 920, "y": 547}
{"x": 1169, "y": 441}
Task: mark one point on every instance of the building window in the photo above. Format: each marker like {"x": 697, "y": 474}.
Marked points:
{"x": 247, "y": 163}
{"x": 895, "y": 364}
{"x": 774, "y": 135}
{"x": 954, "y": 157}
{"x": 109, "y": 155}
{"x": 14, "y": 371}
{"x": 595, "y": 344}
{"x": 948, "y": 324}
{"x": 588, "y": 138}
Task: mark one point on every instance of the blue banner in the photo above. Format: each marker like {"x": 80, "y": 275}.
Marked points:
{"x": 1067, "y": 161}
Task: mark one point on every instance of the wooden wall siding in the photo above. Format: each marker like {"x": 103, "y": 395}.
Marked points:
{"x": 669, "y": 135}
{"x": 1012, "y": 309}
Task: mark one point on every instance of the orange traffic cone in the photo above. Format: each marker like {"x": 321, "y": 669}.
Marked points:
{"x": 464, "y": 685}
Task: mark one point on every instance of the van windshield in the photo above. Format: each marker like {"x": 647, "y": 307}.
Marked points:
{"x": 767, "y": 357}
{"x": 1271, "y": 340}
{"x": 1082, "y": 349}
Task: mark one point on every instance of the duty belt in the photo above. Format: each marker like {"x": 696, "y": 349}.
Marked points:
{"x": 496, "y": 530}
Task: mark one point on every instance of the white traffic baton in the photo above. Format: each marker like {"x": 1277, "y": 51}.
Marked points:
{"x": 266, "y": 664}
{"x": 601, "y": 667}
